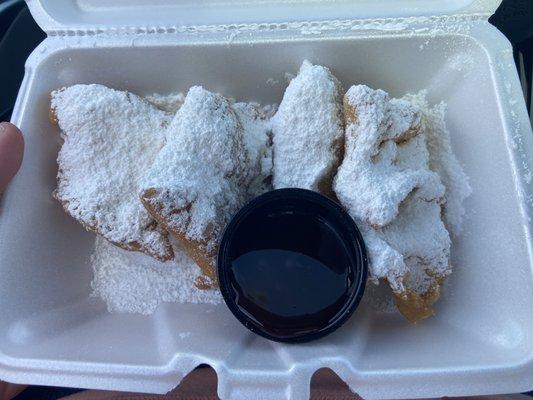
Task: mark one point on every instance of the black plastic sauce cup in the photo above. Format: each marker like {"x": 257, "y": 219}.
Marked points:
{"x": 292, "y": 265}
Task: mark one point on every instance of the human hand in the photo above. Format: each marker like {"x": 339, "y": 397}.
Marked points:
{"x": 11, "y": 151}
{"x": 9, "y": 390}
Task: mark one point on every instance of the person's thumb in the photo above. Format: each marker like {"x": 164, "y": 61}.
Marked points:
{"x": 11, "y": 150}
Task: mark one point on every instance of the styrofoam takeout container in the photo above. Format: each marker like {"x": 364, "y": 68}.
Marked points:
{"x": 481, "y": 340}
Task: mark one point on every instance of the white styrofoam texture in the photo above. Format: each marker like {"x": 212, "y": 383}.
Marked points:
{"x": 55, "y": 15}
{"x": 480, "y": 342}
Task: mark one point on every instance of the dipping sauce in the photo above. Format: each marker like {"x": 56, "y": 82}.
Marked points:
{"x": 292, "y": 265}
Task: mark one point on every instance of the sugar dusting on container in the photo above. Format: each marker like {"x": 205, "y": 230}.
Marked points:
{"x": 131, "y": 282}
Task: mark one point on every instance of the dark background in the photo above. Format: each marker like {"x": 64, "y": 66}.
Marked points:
{"x": 19, "y": 35}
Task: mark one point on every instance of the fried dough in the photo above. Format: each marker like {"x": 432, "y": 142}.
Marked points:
{"x": 202, "y": 176}
{"x": 308, "y": 131}
{"x": 386, "y": 185}
{"x": 110, "y": 138}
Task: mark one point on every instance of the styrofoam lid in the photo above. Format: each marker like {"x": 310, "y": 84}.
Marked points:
{"x": 53, "y": 15}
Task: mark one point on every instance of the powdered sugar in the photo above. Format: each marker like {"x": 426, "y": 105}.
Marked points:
{"x": 443, "y": 161}
{"x": 218, "y": 154}
{"x": 134, "y": 283}
{"x": 200, "y": 170}
{"x": 308, "y": 131}
{"x": 370, "y": 183}
{"x": 384, "y": 260}
{"x": 418, "y": 233}
{"x": 390, "y": 182}
{"x": 255, "y": 120}
{"x": 216, "y": 157}
{"x": 257, "y": 140}
{"x": 110, "y": 139}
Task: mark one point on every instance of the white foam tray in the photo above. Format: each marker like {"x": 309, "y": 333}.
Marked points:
{"x": 480, "y": 342}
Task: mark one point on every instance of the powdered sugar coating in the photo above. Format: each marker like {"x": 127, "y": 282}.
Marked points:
{"x": 385, "y": 262}
{"x": 197, "y": 177}
{"x": 134, "y": 283}
{"x": 386, "y": 183}
{"x": 369, "y": 182}
{"x": 257, "y": 141}
{"x": 308, "y": 130}
{"x": 443, "y": 161}
{"x": 418, "y": 232}
{"x": 205, "y": 172}
{"x": 110, "y": 138}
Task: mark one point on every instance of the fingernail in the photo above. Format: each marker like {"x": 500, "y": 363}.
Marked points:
{"x": 3, "y": 127}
